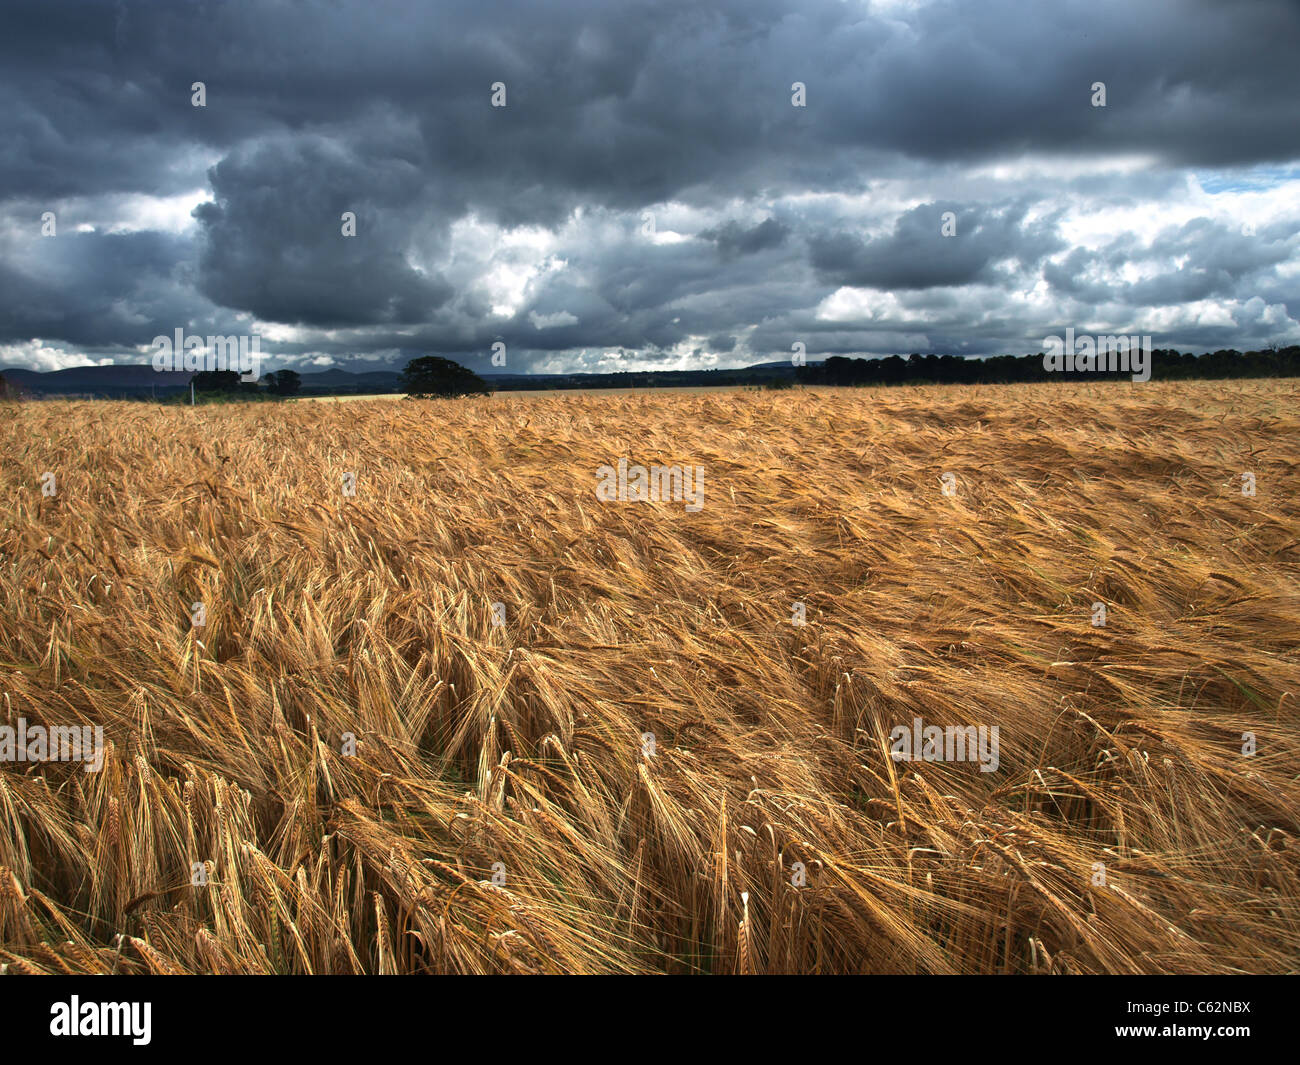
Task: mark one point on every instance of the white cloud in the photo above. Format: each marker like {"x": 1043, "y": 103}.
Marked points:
{"x": 550, "y": 321}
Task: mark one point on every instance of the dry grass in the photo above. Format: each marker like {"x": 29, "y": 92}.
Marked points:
{"x": 521, "y": 745}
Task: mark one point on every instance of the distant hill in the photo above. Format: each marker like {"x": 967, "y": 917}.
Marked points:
{"x": 344, "y": 381}
{"x": 142, "y": 381}
{"x": 138, "y": 382}
{"x": 127, "y": 380}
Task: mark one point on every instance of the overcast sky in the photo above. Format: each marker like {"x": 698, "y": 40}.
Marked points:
{"x": 649, "y": 196}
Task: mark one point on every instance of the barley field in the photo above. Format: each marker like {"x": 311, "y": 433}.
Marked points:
{"x": 473, "y": 719}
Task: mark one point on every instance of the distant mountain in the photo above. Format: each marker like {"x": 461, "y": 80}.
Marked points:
{"x": 141, "y": 381}
{"x": 98, "y": 381}
{"x": 347, "y": 379}
{"x": 132, "y": 381}
{"x": 344, "y": 382}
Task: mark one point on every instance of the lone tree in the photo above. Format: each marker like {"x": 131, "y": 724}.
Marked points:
{"x": 282, "y": 382}
{"x": 432, "y": 376}
{"x": 222, "y": 384}
{"x": 215, "y": 381}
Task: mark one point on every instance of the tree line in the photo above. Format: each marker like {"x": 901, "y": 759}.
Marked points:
{"x": 1166, "y": 365}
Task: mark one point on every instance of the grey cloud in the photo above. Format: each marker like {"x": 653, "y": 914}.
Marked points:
{"x": 273, "y": 241}
{"x": 918, "y": 254}
{"x": 382, "y": 107}
{"x": 734, "y": 239}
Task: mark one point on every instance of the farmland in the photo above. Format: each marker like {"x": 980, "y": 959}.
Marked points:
{"x": 386, "y": 688}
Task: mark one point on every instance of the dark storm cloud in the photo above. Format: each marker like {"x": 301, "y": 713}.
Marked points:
{"x": 918, "y": 254}
{"x": 273, "y": 241}
{"x": 734, "y": 239}
{"x": 94, "y": 289}
{"x": 631, "y": 103}
{"x": 383, "y": 108}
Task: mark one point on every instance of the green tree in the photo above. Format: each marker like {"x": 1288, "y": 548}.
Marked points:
{"x": 432, "y": 376}
{"x": 224, "y": 385}
{"x": 282, "y": 382}
{"x": 211, "y": 381}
